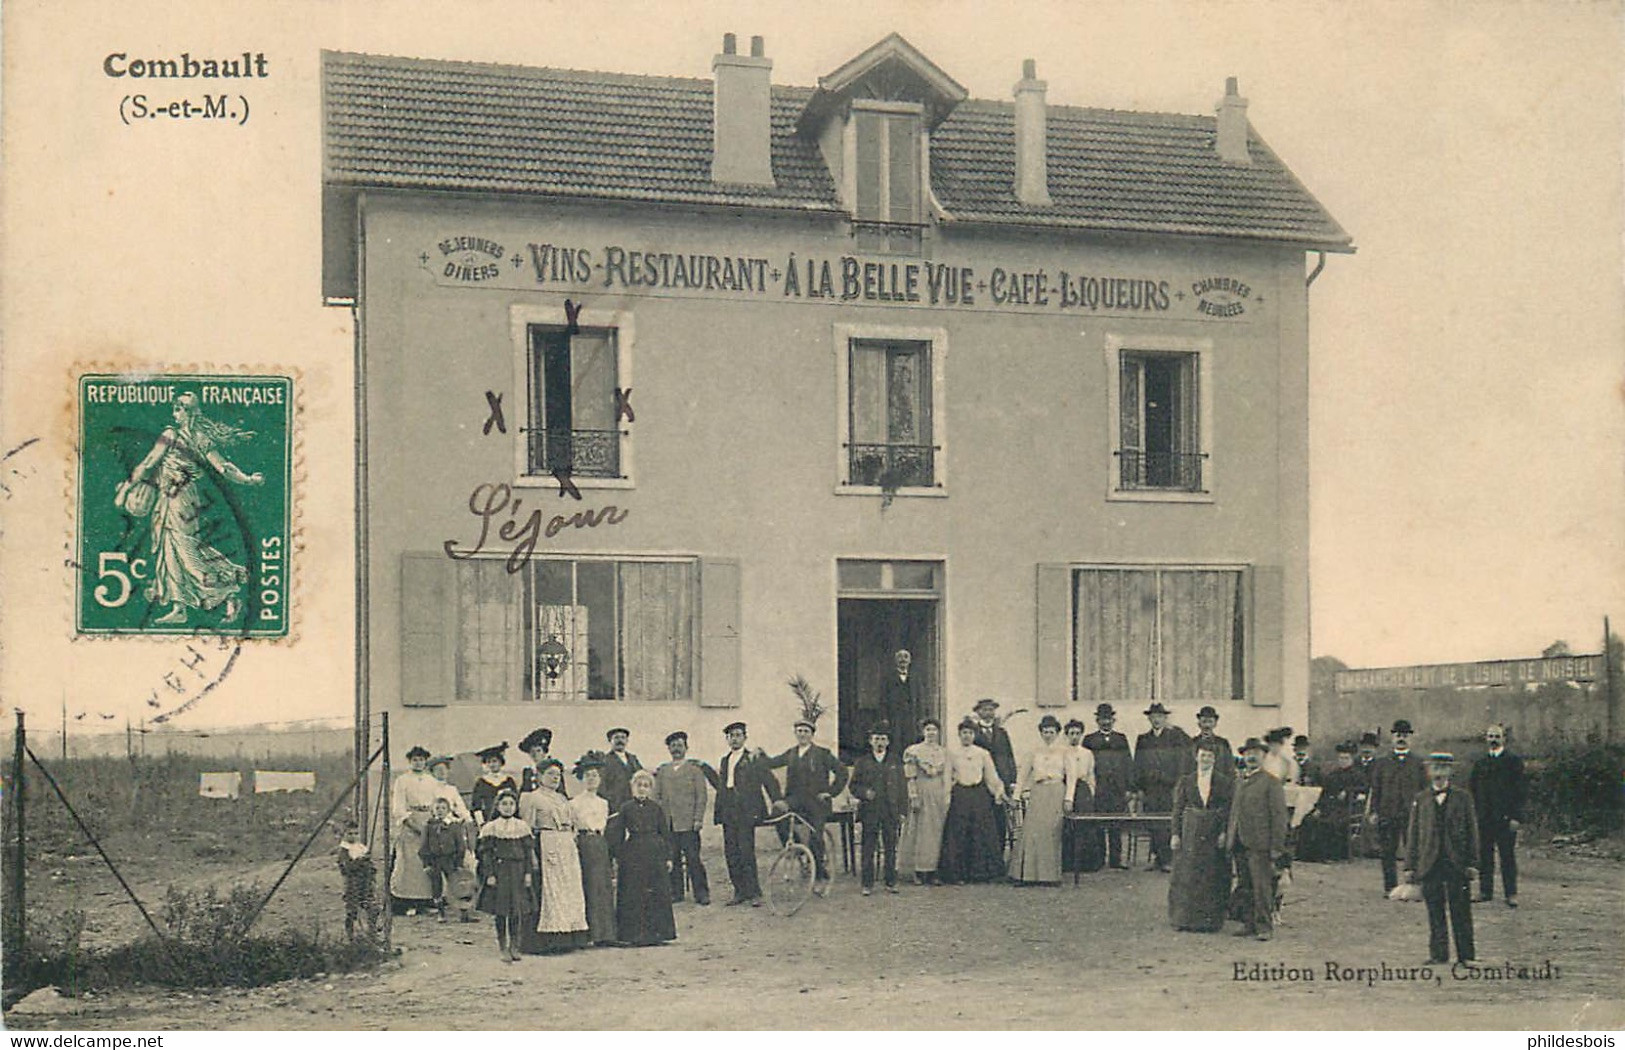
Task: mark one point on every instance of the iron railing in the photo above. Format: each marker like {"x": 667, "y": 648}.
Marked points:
{"x": 1139, "y": 471}
{"x": 584, "y": 453}
{"x": 891, "y": 466}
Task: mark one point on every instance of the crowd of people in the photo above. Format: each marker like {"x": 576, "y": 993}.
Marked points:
{"x": 601, "y": 863}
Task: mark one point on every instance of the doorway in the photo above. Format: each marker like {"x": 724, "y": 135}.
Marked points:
{"x": 884, "y": 607}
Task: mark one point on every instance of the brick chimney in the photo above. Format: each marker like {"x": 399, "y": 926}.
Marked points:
{"x": 740, "y": 150}
{"x": 1032, "y": 137}
{"x": 1231, "y": 142}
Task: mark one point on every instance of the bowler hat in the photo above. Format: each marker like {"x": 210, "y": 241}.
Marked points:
{"x": 881, "y": 728}
{"x": 1156, "y": 708}
{"x": 1253, "y": 744}
{"x": 1207, "y": 711}
{"x": 1300, "y": 741}
{"x": 1345, "y": 747}
{"x": 986, "y": 701}
{"x": 1105, "y": 711}
{"x": 1368, "y": 738}
{"x": 1401, "y": 726}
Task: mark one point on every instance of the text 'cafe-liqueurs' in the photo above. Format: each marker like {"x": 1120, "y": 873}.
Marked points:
{"x": 674, "y": 389}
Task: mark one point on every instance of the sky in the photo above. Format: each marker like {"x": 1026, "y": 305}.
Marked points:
{"x": 1467, "y": 390}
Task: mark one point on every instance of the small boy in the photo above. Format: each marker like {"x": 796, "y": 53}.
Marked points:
{"x": 360, "y": 878}
{"x": 441, "y": 852}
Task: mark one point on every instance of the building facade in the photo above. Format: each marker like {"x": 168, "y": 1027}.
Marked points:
{"x": 672, "y": 390}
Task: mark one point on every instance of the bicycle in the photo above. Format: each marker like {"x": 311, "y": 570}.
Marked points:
{"x": 790, "y": 878}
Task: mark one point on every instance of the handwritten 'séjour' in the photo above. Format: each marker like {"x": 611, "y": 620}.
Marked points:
{"x": 495, "y": 503}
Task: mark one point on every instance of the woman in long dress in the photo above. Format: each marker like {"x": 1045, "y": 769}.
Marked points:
{"x": 591, "y": 815}
{"x": 1199, "y": 890}
{"x": 640, "y": 838}
{"x": 1036, "y": 857}
{"x": 1080, "y": 844}
{"x": 561, "y": 914}
{"x": 507, "y": 858}
{"x": 925, "y": 766}
{"x": 411, "y": 801}
{"x": 187, "y": 571}
{"x": 971, "y": 850}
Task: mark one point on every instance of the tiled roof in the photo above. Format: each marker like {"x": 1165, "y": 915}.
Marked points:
{"x": 459, "y": 126}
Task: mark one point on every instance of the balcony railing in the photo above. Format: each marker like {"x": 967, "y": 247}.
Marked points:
{"x": 584, "y": 453}
{"x": 1139, "y": 471}
{"x": 892, "y": 466}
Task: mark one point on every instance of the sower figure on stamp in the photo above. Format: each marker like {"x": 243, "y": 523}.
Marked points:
{"x": 745, "y": 789}
{"x": 882, "y": 793}
{"x": 680, "y": 790}
{"x": 1395, "y": 780}
{"x": 1256, "y": 838}
{"x": 187, "y": 571}
{"x": 1441, "y": 847}
{"x": 1499, "y": 790}
{"x": 813, "y": 777}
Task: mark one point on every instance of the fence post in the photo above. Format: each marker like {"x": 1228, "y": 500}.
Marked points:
{"x": 19, "y": 855}
{"x": 384, "y": 793}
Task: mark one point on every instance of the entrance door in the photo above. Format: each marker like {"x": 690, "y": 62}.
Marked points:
{"x": 884, "y": 607}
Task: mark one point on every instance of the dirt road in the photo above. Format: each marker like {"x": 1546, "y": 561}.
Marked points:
{"x": 1096, "y": 956}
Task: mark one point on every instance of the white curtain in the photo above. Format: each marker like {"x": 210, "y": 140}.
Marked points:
{"x": 1114, "y": 631}
{"x": 1198, "y": 616}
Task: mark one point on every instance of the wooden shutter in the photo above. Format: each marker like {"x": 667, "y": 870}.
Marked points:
{"x": 1054, "y": 635}
{"x": 428, "y": 629}
{"x": 1268, "y": 602}
{"x": 720, "y": 670}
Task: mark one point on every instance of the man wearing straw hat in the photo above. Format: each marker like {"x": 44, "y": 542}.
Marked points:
{"x": 1441, "y": 849}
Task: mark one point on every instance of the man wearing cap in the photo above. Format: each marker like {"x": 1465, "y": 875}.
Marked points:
{"x": 619, "y": 765}
{"x": 1162, "y": 755}
{"x": 680, "y": 790}
{"x": 813, "y": 777}
{"x": 992, "y": 737}
{"x": 1207, "y": 719}
{"x": 1396, "y": 778}
{"x": 745, "y": 789}
{"x": 1256, "y": 838}
{"x": 1441, "y": 847}
{"x": 882, "y": 793}
{"x": 1114, "y": 775}
{"x": 1499, "y": 789}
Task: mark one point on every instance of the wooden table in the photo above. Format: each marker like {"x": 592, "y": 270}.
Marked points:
{"x": 1133, "y": 823}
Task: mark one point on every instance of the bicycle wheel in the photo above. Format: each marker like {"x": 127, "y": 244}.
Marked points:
{"x": 790, "y": 879}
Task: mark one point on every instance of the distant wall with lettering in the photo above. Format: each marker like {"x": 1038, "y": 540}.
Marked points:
{"x": 1539, "y": 718}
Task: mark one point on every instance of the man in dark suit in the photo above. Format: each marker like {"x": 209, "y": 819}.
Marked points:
{"x": 992, "y": 737}
{"x": 899, "y": 702}
{"x": 745, "y": 789}
{"x": 1395, "y": 780}
{"x": 1207, "y": 721}
{"x": 1441, "y": 846}
{"x": 1114, "y": 775}
{"x": 1499, "y": 789}
{"x": 1256, "y": 838}
{"x": 882, "y": 793}
{"x": 813, "y": 777}
{"x": 619, "y": 765}
{"x": 1162, "y": 755}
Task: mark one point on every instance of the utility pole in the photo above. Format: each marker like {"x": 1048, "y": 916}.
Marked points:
{"x": 19, "y": 855}
{"x": 1610, "y": 686}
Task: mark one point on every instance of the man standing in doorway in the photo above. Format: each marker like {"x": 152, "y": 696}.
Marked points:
{"x": 680, "y": 790}
{"x": 745, "y": 789}
{"x": 899, "y": 704}
{"x": 813, "y": 777}
{"x": 1396, "y": 779}
{"x": 1499, "y": 789}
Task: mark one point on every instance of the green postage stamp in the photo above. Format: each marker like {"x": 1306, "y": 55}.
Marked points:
{"x": 185, "y": 486}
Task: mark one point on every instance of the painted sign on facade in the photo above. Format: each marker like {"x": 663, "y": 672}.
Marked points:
{"x": 1485, "y": 673}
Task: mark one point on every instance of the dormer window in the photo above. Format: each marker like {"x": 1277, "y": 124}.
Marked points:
{"x": 888, "y": 168}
